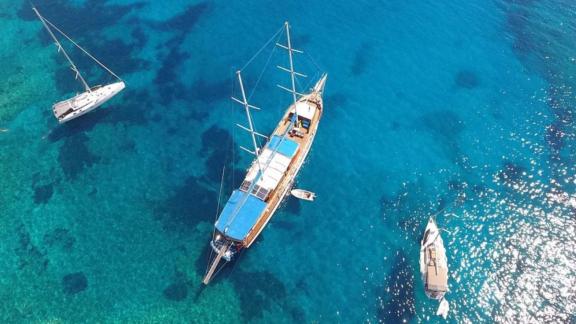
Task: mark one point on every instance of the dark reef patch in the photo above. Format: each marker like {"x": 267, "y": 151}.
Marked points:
{"x": 444, "y": 123}
{"x": 127, "y": 146}
{"x": 336, "y": 100}
{"x": 139, "y": 37}
{"x": 364, "y": 54}
{"x": 511, "y": 172}
{"x": 466, "y": 79}
{"x": 61, "y": 238}
{"x": 554, "y": 137}
{"x": 43, "y": 193}
{"x": 74, "y": 156}
{"x": 215, "y": 137}
{"x": 402, "y": 209}
{"x": 169, "y": 85}
{"x": 285, "y": 225}
{"x": 120, "y": 57}
{"x": 298, "y": 315}
{"x": 187, "y": 206}
{"x": 293, "y": 205}
{"x": 133, "y": 111}
{"x": 185, "y": 21}
{"x": 74, "y": 283}
{"x": 517, "y": 23}
{"x": 209, "y": 92}
{"x": 560, "y": 101}
{"x": 167, "y": 80}
{"x": 65, "y": 82}
{"x": 258, "y": 291}
{"x": 446, "y": 126}
{"x": 29, "y": 256}
{"x": 397, "y": 296}
{"x": 536, "y": 45}
{"x": 176, "y": 291}
{"x": 90, "y": 18}
{"x": 78, "y": 126}
{"x": 301, "y": 40}
{"x": 218, "y": 144}
{"x": 409, "y": 207}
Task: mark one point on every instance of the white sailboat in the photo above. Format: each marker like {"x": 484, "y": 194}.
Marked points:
{"x": 434, "y": 266}
{"x": 92, "y": 97}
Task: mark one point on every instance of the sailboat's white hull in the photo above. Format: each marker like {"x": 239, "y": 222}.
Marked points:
{"x": 85, "y": 102}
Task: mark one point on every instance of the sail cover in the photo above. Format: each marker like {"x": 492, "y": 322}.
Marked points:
{"x": 239, "y": 215}
{"x": 274, "y": 160}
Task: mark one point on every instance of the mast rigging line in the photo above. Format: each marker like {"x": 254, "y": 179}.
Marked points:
{"x": 45, "y": 22}
{"x": 262, "y": 72}
{"x": 274, "y": 38}
{"x": 79, "y": 47}
{"x": 262, "y": 48}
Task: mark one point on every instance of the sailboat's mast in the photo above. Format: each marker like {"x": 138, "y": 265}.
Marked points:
{"x": 60, "y": 48}
{"x": 249, "y": 116}
{"x": 292, "y": 73}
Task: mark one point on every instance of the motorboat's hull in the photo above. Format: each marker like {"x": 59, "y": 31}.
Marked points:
{"x": 85, "y": 102}
{"x": 433, "y": 262}
{"x": 303, "y": 194}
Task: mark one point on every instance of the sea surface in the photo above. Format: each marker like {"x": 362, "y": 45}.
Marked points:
{"x": 461, "y": 108}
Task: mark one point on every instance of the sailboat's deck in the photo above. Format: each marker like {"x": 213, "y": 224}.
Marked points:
{"x": 304, "y": 140}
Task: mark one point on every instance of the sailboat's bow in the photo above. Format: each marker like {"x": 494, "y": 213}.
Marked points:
{"x": 319, "y": 86}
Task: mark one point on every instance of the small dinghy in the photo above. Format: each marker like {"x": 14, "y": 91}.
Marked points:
{"x": 303, "y": 194}
{"x": 92, "y": 97}
{"x": 434, "y": 266}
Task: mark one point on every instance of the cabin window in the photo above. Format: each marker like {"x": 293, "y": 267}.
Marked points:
{"x": 255, "y": 189}
{"x": 245, "y": 185}
{"x": 262, "y": 193}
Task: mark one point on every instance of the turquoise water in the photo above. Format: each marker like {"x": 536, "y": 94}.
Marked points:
{"x": 466, "y": 106}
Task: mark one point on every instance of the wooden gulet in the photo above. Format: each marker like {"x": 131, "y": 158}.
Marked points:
{"x": 272, "y": 173}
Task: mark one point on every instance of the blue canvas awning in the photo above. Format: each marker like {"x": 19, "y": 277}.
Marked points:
{"x": 239, "y": 215}
{"x": 286, "y": 147}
